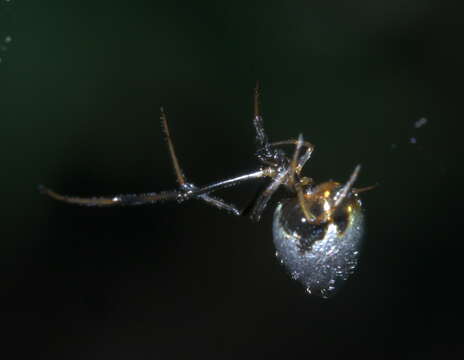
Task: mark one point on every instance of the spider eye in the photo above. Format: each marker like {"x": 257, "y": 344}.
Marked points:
{"x": 319, "y": 255}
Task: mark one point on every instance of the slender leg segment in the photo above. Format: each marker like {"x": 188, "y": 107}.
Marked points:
{"x": 293, "y": 164}
{"x": 265, "y": 153}
{"x": 364, "y": 189}
{"x": 189, "y": 188}
{"x": 175, "y": 163}
{"x": 233, "y": 181}
{"x": 258, "y": 121}
{"x": 347, "y": 187}
{"x": 188, "y": 191}
{"x": 264, "y": 197}
{"x": 114, "y": 200}
{"x": 304, "y": 158}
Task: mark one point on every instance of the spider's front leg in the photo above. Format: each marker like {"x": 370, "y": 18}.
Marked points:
{"x": 188, "y": 190}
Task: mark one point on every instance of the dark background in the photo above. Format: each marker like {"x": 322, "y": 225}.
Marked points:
{"x": 81, "y": 84}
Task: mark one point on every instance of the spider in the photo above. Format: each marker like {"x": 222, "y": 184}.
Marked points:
{"x": 317, "y": 231}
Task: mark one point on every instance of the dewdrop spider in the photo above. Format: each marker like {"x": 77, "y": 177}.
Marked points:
{"x": 317, "y": 231}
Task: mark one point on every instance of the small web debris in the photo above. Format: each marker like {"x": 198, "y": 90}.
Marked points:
{"x": 6, "y": 41}
{"x": 417, "y": 124}
{"x": 413, "y": 138}
{"x": 421, "y": 122}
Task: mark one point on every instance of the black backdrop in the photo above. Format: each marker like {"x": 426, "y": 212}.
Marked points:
{"x": 81, "y": 84}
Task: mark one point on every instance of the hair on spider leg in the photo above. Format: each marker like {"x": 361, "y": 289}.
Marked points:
{"x": 317, "y": 228}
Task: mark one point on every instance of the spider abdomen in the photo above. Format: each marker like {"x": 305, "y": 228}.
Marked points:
{"x": 320, "y": 255}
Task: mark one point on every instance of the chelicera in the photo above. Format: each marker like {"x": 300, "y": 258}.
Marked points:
{"x": 317, "y": 230}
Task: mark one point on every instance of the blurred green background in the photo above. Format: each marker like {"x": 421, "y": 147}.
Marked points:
{"x": 81, "y": 84}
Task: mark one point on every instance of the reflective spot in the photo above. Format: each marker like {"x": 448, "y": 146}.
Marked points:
{"x": 327, "y": 206}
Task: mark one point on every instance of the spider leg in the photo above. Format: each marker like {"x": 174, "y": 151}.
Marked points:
{"x": 187, "y": 191}
{"x": 301, "y": 200}
{"x": 262, "y": 200}
{"x": 293, "y": 163}
{"x": 175, "y": 162}
{"x": 295, "y": 169}
{"x": 258, "y": 120}
{"x": 138, "y": 199}
{"x": 115, "y": 200}
{"x": 365, "y": 188}
{"x": 304, "y": 158}
{"x": 342, "y": 194}
{"x": 261, "y": 137}
{"x": 181, "y": 180}
{"x": 347, "y": 187}
{"x": 223, "y": 184}
{"x": 219, "y": 203}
